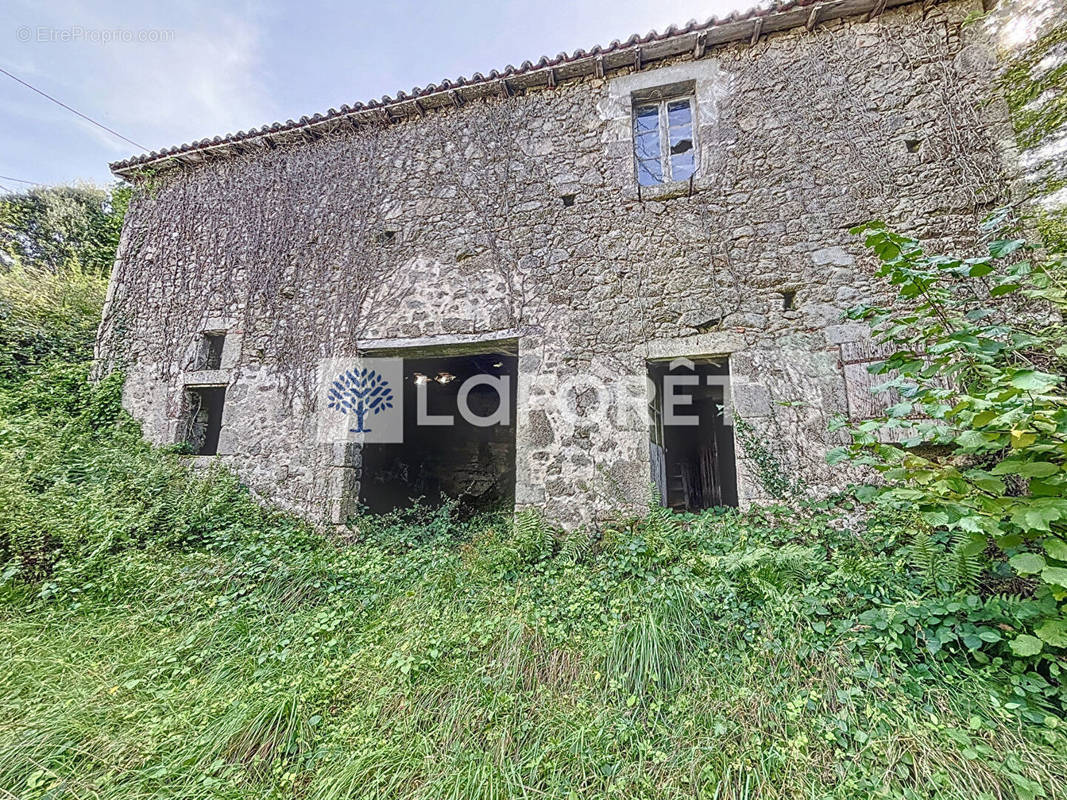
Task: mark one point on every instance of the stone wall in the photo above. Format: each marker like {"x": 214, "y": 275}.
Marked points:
{"x": 453, "y": 228}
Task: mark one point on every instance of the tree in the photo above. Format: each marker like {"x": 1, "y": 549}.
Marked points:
{"x": 53, "y": 227}
{"x": 977, "y": 447}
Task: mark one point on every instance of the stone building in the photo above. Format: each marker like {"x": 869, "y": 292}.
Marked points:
{"x": 576, "y": 224}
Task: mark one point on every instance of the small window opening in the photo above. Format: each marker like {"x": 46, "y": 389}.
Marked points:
{"x": 709, "y": 324}
{"x": 210, "y": 356}
{"x": 912, "y": 145}
{"x": 568, "y": 200}
{"x": 386, "y": 237}
{"x": 204, "y": 406}
{"x": 664, "y": 143}
{"x": 788, "y": 299}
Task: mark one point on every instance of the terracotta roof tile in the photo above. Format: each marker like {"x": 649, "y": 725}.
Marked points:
{"x": 780, "y": 10}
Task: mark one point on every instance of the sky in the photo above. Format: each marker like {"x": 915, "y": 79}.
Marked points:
{"x": 163, "y": 73}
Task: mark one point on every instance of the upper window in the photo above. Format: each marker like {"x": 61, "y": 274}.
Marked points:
{"x": 664, "y": 147}
{"x": 210, "y": 353}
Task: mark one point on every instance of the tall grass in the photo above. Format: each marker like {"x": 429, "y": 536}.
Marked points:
{"x": 270, "y": 667}
{"x": 164, "y": 636}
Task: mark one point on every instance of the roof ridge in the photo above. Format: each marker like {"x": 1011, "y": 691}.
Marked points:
{"x": 821, "y": 10}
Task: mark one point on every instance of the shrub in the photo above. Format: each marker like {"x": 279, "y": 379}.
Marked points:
{"x": 977, "y": 444}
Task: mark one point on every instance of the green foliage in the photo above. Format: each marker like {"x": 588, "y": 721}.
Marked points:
{"x": 1033, "y": 84}
{"x": 977, "y": 445}
{"x": 62, "y": 227}
{"x": 45, "y": 315}
{"x": 167, "y": 636}
{"x": 772, "y": 475}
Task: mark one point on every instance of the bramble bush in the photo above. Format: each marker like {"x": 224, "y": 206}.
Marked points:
{"x": 976, "y": 443}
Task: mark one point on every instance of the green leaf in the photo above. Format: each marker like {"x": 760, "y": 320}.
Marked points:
{"x": 1027, "y": 563}
{"x": 1035, "y": 514}
{"x": 1056, "y": 575}
{"x": 1021, "y": 439}
{"x": 1057, "y": 548}
{"x": 1054, "y": 632}
{"x": 1026, "y": 645}
{"x": 1037, "y": 469}
{"x": 1005, "y": 247}
{"x": 837, "y": 455}
{"x": 1033, "y": 381}
{"x": 1003, "y": 289}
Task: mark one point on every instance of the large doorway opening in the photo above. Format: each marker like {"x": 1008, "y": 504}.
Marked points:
{"x": 464, "y": 458}
{"x": 691, "y": 442}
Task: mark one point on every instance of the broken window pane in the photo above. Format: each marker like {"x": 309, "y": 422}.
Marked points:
{"x": 681, "y": 141}
{"x": 664, "y": 155}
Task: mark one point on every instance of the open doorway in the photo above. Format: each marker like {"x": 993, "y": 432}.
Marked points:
{"x": 691, "y": 443}
{"x": 471, "y": 463}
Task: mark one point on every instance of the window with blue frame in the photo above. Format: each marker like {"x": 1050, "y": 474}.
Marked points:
{"x": 664, "y": 142}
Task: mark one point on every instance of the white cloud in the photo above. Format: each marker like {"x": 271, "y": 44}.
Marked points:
{"x": 199, "y": 73}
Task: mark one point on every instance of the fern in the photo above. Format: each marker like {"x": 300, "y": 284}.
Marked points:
{"x": 578, "y": 546}
{"x": 662, "y": 522}
{"x": 533, "y": 537}
{"x": 952, "y": 569}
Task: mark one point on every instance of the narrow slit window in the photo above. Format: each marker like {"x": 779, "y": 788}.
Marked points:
{"x": 211, "y": 351}
{"x": 664, "y": 142}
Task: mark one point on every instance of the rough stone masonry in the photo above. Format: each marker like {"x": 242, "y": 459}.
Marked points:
{"x": 505, "y": 211}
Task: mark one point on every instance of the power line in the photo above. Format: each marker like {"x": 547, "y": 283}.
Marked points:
{"x": 20, "y": 180}
{"x": 9, "y": 191}
{"x": 73, "y": 111}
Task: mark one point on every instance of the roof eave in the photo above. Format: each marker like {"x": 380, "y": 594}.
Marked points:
{"x": 695, "y": 39}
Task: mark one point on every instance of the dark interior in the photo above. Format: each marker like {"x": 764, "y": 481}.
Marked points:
{"x": 205, "y": 418}
{"x": 472, "y": 464}
{"x": 693, "y": 465}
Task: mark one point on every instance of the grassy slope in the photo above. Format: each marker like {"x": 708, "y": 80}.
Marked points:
{"x": 254, "y": 659}
{"x": 163, "y": 636}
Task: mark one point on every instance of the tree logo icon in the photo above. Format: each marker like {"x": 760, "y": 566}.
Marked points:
{"x": 360, "y": 392}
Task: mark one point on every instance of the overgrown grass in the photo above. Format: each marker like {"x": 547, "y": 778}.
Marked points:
{"x": 187, "y": 643}
{"x": 164, "y": 636}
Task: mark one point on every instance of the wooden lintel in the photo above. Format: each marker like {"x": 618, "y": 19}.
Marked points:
{"x": 700, "y": 44}
{"x": 813, "y": 17}
{"x": 598, "y": 66}
{"x": 875, "y": 12}
{"x": 637, "y": 59}
{"x": 757, "y": 29}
